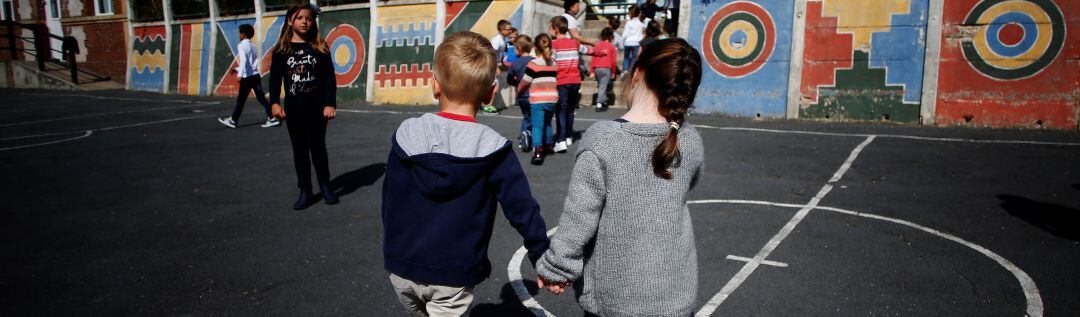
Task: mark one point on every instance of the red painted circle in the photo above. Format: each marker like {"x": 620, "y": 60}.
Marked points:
{"x": 710, "y": 27}
{"x": 1011, "y": 34}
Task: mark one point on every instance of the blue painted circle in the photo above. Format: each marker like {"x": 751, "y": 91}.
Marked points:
{"x": 739, "y": 36}
{"x": 349, "y": 45}
{"x": 1031, "y": 33}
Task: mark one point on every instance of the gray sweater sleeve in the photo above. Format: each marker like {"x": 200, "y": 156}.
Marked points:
{"x": 564, "y": 259}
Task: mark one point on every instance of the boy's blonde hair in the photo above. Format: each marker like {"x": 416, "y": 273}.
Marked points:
{"x": 465, "y": 67}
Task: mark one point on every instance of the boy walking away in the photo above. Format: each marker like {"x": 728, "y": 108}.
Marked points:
{"x": 444, "y": 175}
{"x": 568, "y": 56}
{"x": 513, "y": 77}
{"x": 604, "y": 67}
{"x": 502, "y": 43}
{"x": 248, "y": 75}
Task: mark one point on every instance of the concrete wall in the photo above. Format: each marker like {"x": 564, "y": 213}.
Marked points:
{"x": 972, "y": 62}
{"x": 26, "y": 75}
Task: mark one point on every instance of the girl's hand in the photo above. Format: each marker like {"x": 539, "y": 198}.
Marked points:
{"x": 554, "y": 288}
{"x": 329, "y": 112}
{"x": 277, "y": 111}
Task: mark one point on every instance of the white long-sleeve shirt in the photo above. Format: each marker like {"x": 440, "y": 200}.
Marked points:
{"x": 634, "y": 32}
{"x": 247, "y": 59}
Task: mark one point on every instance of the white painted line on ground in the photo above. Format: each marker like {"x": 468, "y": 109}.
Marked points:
{"x": 108, "y": 114}
{"x": 513, "y": 272}
{"x": 1027, "y": 284}
{"x": 90, "y": 132}
{"x": 113, "y": 98}
{"x": 766, "y": 262}
{"x": 894, "y": 136}
{"x": 86, "y": 133}
{"x": 769, "y": 247}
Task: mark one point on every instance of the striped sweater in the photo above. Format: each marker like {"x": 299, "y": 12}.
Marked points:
{"x": 567, "y": 55}
{"x": 539, "y": 82}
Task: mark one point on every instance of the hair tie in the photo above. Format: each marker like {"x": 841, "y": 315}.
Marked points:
{"x": 674, "y": 125}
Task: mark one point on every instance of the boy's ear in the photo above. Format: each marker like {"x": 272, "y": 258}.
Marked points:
{"x": 436, "y": 91}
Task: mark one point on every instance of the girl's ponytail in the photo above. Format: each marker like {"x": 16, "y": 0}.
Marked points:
{"x": 671, "y": 68}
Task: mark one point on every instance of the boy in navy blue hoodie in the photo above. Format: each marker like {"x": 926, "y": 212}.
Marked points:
{"x": 444, "y": 176}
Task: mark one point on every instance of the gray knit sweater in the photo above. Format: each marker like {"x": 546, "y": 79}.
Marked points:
{"x": 624, "y": 230}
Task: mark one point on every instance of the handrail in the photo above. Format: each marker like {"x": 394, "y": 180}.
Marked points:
{"x": 40, "y": 44}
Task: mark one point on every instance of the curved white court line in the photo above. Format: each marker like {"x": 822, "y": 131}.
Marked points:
{"x": 90, "y": 132}
{"x": 86, "y": 133}
{"x": 1031, "y": 292}
{"x": 108, "y": 114}
{"x": 514, "y": 273}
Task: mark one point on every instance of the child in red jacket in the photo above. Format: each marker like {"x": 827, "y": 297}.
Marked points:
{"x": 604, "y": 67}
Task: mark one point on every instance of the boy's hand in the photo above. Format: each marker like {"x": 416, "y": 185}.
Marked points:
{"x": 329, "y": 112}
{"x": 554, "y": 288}
{"x": 277, "y": 111}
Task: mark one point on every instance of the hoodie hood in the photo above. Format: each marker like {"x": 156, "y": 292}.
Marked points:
{"x": 445, "y": 157}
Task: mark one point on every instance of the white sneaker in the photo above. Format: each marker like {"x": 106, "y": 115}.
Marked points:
{"x": 228, "y": 122}
{"x": 271, "y": 122}
{"x": 569, "y": 141}
{"x": 560, "y": 147}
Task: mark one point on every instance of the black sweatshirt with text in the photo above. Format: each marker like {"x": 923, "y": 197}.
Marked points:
{"x": 308, "y": 76}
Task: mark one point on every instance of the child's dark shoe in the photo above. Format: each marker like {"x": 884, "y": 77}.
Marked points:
{"x": 306, "y": 199}
{"x": 328, "y": 195}
{"x": 548, "y": 149}
{"x": 538, "y": 156}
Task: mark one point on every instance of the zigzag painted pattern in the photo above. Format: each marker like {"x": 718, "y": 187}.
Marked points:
{"x": 407, "y": 34}
{"x": 403, "y": 75}
{"x": 148, "y": 62}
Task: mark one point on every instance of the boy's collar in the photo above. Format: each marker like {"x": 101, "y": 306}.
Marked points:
{"x": 456, "y": 117}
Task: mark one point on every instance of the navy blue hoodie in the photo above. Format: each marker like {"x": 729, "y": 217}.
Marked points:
{"x": 444, "y": 178}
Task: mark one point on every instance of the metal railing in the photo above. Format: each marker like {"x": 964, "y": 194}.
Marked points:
{"x": 40, "y": 48}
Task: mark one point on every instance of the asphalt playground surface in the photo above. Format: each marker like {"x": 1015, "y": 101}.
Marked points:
{"x": 127, "y": 203}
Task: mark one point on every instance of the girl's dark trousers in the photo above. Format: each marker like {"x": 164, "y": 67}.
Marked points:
{"x": 307, "y": 131}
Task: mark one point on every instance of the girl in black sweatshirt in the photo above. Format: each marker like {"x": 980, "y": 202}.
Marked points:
{"x": 301, "y": 59}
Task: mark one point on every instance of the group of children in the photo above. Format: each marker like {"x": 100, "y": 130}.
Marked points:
{"x": 446, "y": 173}
{"x": 546, "y": 72}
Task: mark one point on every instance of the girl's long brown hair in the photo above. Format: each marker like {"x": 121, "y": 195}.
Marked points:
{"x": 543, "y": 47}
{"x": 671, "y": 69}
{"x": 284, "y": 42}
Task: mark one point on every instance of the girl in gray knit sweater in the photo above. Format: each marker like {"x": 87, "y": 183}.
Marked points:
{"x": 625, "y": 228}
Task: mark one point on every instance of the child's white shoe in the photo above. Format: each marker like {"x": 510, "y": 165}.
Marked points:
{"x": 228, "y": 122}
{"x": 560, "y": 147}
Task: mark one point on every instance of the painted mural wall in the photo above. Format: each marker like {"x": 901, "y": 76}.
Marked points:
{"x": 863, "y": 60}
{"x": 403, "y": 54}
{"x": 1010, "y": 63}
{"x": 1002, "y": 62}
{"x": 189, "y": 58}
{"x": 747, "y": 48}
{"x": 148, "y": 61}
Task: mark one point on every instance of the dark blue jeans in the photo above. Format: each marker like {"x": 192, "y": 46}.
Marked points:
{"x": 569, "y": 95}
{"x": 246, "y": 86}
{"x": 526, "y": 114}
{"x": 630, "y": 54}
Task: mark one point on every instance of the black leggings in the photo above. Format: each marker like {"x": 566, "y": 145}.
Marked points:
{"x": 307, "y": 132}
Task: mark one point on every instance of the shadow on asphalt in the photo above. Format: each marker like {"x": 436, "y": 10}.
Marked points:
{"x": 1061, "y": 221}
{"x": 347, "y": 183}
{"x": 510, "y": 305}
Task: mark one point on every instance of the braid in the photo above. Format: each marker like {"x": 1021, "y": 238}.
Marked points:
{"x": 674, "y": 73}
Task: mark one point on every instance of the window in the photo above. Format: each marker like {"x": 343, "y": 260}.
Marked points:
{"x": 235, "y": 7}
{"x": 147, "y": 11}
{"x": 190, "y": 9}
{"x": 103, "y": 7}
{"x": 7, "y": 10}
{"x": 54, "y": 9}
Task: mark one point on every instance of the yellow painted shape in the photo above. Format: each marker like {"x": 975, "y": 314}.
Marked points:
{"x": 341, "y": 55}
{"x": 498, "y": 10}
{"x": 862, "y": 18}
{"x": 746, "y": 48}
{"x": 394, "y": 16}
{"x": 195, "y": 59}
{"x": 146, "y": 59}
{"x": 419, "y": 95}
{"x": 1042, "y": 22}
